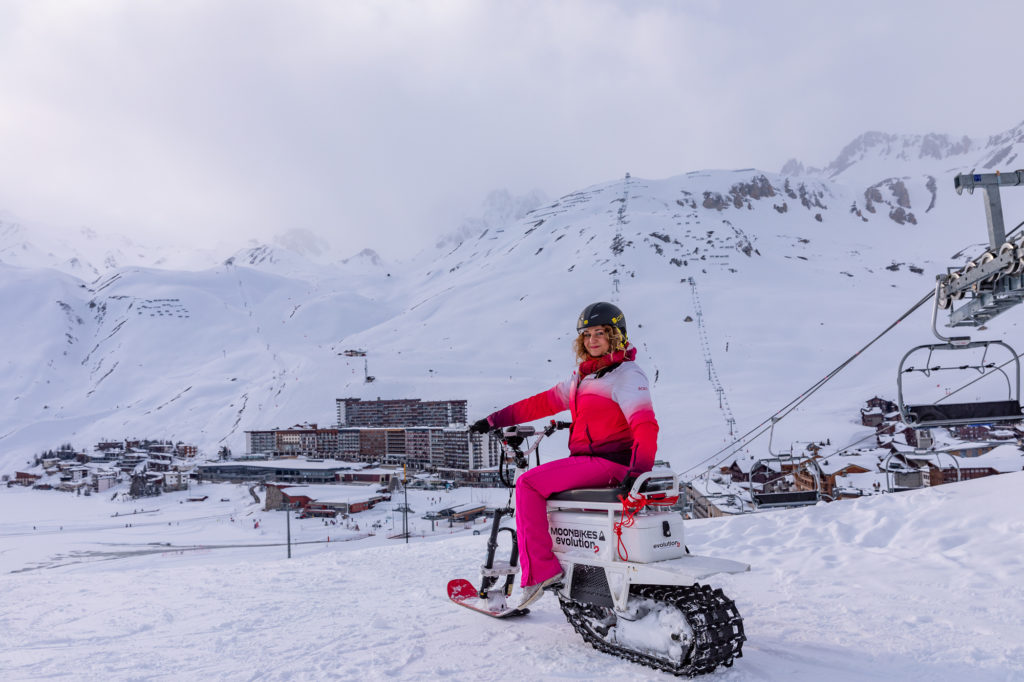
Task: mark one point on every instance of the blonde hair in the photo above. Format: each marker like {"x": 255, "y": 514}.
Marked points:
{"x": 616, "y": 342}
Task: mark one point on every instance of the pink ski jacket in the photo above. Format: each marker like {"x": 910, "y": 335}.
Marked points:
{"x": 611, "y": 408}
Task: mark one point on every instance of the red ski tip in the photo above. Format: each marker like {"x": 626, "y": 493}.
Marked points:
{"x": 461, "y": 589}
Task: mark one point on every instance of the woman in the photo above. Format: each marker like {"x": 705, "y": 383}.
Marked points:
{"x": 614, "y": 435}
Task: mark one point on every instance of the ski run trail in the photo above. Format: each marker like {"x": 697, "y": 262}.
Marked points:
{"x": 923, "y": 585}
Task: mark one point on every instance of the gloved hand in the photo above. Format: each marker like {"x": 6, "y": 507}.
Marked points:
{"x": 480, "y": 426}
{"x": 627, "y": 482}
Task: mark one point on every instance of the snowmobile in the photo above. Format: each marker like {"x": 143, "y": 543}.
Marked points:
{"x": 631, "y": 587}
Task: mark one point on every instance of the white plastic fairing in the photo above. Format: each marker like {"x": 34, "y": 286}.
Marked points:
{"x": 652, "y": 537}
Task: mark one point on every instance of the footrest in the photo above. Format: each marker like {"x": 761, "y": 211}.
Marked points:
{"x": 499, "y": 569}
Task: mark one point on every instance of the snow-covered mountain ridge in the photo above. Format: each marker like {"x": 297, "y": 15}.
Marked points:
{"x": 791, "y": 273}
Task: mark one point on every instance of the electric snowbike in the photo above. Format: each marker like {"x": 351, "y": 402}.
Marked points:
{"x": 631, "y": 588}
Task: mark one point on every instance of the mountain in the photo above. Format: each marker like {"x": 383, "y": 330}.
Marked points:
{"x": 741, "y": 289}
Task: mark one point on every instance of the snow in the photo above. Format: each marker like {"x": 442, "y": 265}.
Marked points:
{"x": 114, "y": 341}
{"x": 916, "y": 585}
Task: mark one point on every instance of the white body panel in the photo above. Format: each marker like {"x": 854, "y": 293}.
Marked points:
{"x": 652, "y": 537}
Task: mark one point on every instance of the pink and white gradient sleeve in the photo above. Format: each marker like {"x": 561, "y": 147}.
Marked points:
{"x": 634, "y": 398}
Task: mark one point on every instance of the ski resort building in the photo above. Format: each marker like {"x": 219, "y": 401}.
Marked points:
{"x": 278, "y": 470}
{"x": 300, "y": 440}
{"x": 402, "y": 413}
{"x": 419, "y": 435}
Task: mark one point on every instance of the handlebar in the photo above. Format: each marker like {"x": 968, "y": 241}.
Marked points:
{"x": 512, "y": 437}
{"x": 526, "y": 431}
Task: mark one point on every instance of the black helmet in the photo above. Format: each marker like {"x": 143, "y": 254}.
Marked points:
{"x": 600, "y": 314}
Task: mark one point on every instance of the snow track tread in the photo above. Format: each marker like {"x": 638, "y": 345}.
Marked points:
{"x": 716, "y": 623}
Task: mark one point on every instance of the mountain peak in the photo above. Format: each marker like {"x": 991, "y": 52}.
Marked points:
{"x": 498, "y": 209}
{"x": 893, "y": 147}
{"x": 368, "y": 256}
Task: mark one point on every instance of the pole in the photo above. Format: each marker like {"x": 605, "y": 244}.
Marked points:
{"x": 405, "y": 510}
{"x": 288, "y": 521}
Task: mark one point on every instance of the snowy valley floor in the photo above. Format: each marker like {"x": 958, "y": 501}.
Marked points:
{"x": 915, "y": 586}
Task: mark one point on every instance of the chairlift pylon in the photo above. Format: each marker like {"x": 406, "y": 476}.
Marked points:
{"x": 995, "y": 284}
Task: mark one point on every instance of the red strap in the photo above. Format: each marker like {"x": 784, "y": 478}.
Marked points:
{"x": 631, "y": 504}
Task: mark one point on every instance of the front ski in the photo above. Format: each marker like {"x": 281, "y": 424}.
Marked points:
{"x": 462, "y": 592}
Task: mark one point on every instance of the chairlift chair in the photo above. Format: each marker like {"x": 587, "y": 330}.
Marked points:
{"x": 890, "y": 478}
{"x": 792, "y": 498}
{"x": 995, "y": 284}
{"x": 940, "y": 413}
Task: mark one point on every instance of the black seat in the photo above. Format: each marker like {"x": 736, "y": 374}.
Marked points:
{"x": 790, "y": 499}
{"x": 995, "y": 410}
{"x": 590, "y": 495}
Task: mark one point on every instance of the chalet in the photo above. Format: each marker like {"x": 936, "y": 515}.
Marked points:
{"x": 24, "y": 478}
{"x": 763, "y": 472}
{"x": 886, "y": 406}
{"x": 871, "y": 416}
{"x": 830, "y": 468}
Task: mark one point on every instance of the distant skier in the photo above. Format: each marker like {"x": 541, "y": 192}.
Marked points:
{"x": 614, "y": 435}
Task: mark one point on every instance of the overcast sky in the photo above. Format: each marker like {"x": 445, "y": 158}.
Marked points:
{"x": 383, "y": 123}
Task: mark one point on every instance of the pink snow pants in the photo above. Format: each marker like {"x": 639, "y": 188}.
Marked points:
{"x": 533, "y": 488}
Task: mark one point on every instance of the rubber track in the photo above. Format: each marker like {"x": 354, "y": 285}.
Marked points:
{"x": 717, "y": 627}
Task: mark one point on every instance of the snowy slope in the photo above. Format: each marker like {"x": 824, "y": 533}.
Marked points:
{"x": 792, "y": 272}
{"x": 921, "y": 585}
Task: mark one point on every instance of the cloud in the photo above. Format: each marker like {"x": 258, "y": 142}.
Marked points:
{"x": 383, "y": 124}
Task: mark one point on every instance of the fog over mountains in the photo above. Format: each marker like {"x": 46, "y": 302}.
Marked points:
{"x": 791, "y": 272}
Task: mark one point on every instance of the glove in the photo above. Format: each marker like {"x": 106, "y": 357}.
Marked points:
{"x": 480, "y": 426}
{"x": 627, "y": 482}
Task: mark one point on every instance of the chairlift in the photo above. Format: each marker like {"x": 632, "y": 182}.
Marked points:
{"x": 941, "y": 413}
{"x": 890, "y": 478}
{"x": 791, "y": 498}
{"x": 995, "y": 283}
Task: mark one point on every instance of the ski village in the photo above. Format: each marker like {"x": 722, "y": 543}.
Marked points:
{"x": 271, "y": 466}
{"x": 380, "y": 446}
